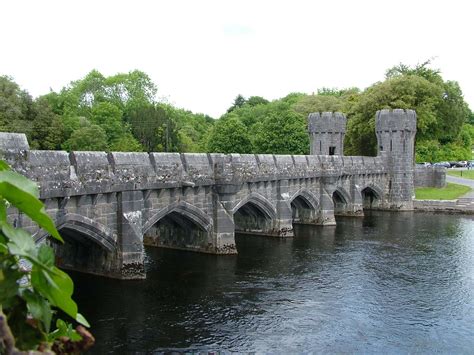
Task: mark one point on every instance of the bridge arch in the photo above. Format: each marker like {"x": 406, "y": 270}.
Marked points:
{"x": 179, "y": 225}
{"x": 341, "y": 200}
{"x": 304, "y": 206}
{"x": 254, "y": 214}
{"x": 89, "y": 246}
{"x": 372, "y": 196}
{"x": 84, "y": 227}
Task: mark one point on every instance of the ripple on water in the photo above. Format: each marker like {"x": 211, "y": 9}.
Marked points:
{"x": 392, "y": 283}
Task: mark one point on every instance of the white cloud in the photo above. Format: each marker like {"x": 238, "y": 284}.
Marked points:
{"x": 201, "y": 54}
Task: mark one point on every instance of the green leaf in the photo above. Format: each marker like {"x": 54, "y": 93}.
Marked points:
{"x": 3, "y": 210}
{"x": 20, "y": 182}
{"x": 39, "y": 308}
{"x": 9, "y": 276}
{"x": 64, "y": 329}
{"x": 82, "y": 320}
{"x": 4, "y": 166}
{"x": 57, "y": 287}
{"x": 20, "y": 242}
{"x": 22, "y": 193}
{"x": 46, "y": 255}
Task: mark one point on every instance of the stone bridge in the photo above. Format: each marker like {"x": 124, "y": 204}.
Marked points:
{"x": 107, "y": 206}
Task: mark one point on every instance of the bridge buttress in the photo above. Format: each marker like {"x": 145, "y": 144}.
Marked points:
{"x": 284, "y": 221}
{"x": 130, "y": 235}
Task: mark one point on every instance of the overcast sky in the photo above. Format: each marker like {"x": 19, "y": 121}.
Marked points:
{"x": 201, "y": 54}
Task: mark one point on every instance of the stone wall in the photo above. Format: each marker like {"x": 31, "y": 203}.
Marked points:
{"x": 430, "y": 176}
{"x": 326, "y": 133}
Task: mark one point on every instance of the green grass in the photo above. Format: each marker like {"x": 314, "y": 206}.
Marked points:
{"x": 450, "y": 192}
{"x": 465, "y": 174}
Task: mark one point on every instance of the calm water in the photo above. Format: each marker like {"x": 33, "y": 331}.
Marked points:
{"x": 393, "y": 283}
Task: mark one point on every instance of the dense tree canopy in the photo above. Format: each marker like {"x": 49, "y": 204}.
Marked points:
{"x": 229, "y": 135}
{"x": 121, "y": 113}
{"x": 440, "y": 107}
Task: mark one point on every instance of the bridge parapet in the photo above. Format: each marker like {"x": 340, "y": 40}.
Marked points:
{"x": 198, "y": 168}
{"x": 92, "y": 170}
{"x": 168, "y": 169}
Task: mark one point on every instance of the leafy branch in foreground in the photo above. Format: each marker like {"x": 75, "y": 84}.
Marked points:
{"x": 32, "y": 288}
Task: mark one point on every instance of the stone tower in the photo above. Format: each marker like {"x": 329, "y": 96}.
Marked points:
{"x": 326, "y": 133}
{"x": 395, "y": 132}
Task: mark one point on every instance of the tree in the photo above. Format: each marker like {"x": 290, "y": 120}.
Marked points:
{"x": 282, "y": 131}
{"x": 16, "y": 107}
{"x": 229, "y": 135}
{"x": 239, "y": 101}
{"x": 256, "y": 100}
{"x": 109, "y": 118}
{"x": 154, "y": 129}
{"x": 318, "y": 103}
{"x": 126, "y": 143}
{"x": 439, "y": 105}
{"x": 48, "y": 130}
{"x": 88, "y": 138}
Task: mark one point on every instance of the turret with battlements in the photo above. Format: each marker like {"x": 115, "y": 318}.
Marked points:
{"x": 326, "y": 133}
{"x": 395, "y": 130}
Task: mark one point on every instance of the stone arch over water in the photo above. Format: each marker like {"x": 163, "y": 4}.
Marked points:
{"x": 304, "y": 206}
{"x": 88, "y": 246}
{"x": 254, "y": 214}
{"x": 341, "y": 201}
{"x": 180, "y": 226}
{"x": 372, "y": 197}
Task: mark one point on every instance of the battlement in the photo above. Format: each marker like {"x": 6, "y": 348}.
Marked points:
{"x": 327, "y": 122}
{"x": 395, "y": 120}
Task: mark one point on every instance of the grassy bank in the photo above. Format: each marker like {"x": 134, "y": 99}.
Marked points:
{"x": 465, "y": 174}
{"x": 450, "y": 192}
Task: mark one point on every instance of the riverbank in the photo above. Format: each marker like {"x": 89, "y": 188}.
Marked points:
{"x": 463, "y": 204}
{"x": 460, "y": 205}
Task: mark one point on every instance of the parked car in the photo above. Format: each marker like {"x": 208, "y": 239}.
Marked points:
{"x": 461, "y": 164}
{"x": 444, "y": 164}
{"x": 453, "y": 164}
{"x": 424, "y": 164}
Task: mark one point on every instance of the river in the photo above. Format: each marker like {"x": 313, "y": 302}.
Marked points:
{"x": 388, "y": 282}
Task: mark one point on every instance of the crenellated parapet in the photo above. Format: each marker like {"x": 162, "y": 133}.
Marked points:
{"x": 395, "y": 120}
{"x": 396, "y": 130}
{"x": 326, "y": 133}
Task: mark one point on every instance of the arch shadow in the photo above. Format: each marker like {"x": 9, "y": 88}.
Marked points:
{"x": 260, "y": 202}
{"x": 92, "y": 230}
{"x": 185, "y": 209}
{"x": 372, "y": 196}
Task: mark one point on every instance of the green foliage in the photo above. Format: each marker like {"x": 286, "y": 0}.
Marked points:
{"x": 256, "y": 100}
{"x": 192, "y": 129}
{"x": 90, "y": 138}
{"x": 281, "y": 131}
{"x": 229, "y": 136}
{"x": 318, "y": 103}
{"x": 120, "y": 113}
{"x": 48, "y": 130}
{"x": 239, "y": 101}
{"x": 34, "y": 291}
{"x": 450, "y": 192}
{"x": 154, "y": 128}
{"x": 439, "y": 105}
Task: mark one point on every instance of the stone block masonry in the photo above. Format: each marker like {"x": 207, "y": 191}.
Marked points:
{"x": 108, "y": 206}
{"x": 430, "y": 176}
